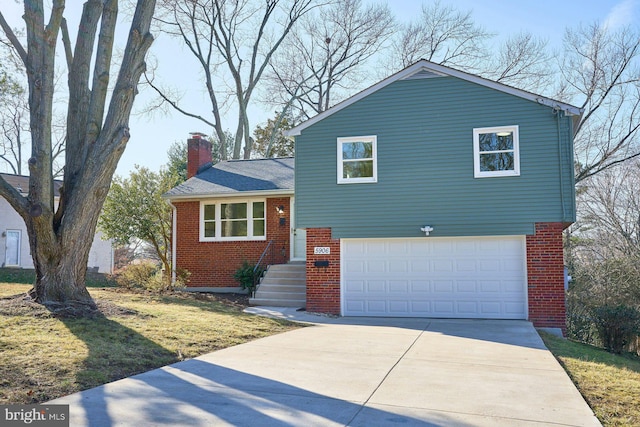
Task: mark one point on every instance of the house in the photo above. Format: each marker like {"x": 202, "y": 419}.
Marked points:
{"x": 433, "y": 193}
{"x": 229, "y": 213}
{"x": 14, "y": 241}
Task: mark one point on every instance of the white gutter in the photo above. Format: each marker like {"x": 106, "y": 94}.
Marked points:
{"x": 245, "y": 194}
{"x": 174, "y": 227}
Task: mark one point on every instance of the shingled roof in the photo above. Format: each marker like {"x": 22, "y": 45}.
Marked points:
{"x": 239, "y": 177}
{"x": 21, "y": 183}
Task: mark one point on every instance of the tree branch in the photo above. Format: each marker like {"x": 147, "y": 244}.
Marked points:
{"x": 13, "y": 39}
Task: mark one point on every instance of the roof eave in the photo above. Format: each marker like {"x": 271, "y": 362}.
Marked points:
{"x": 258, "y": 193}
{"x": 439, "y": 69}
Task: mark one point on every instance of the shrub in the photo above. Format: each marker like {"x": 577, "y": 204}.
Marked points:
{"x": 617, "y": 326}
{"x": 138, "y": 276}
{"x": 247, "y": 276}
{"x": 580, "y": 325}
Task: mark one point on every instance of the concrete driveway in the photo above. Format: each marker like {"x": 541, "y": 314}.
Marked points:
{"x": 355, "y": 372}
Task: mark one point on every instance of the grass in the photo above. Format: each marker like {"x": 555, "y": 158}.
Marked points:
{"x": 44, "y": 357}
{"x": 609, "y": 383}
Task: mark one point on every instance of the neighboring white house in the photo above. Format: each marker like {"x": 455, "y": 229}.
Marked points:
{"x": 14, "y": 241}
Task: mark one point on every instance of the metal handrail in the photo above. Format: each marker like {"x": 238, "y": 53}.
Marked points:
{"x": 256, "y": 277}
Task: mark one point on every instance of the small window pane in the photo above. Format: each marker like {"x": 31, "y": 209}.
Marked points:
{"x": 210, "y": 229}
{"x": 258, "y": 209}
{"x": 496, "y": 141}
{"x": 357, "y": 150}
{"x": 360, "y": 169}
{"x": 209, "y": 212}
{"x": 233, "y": 211}
{"x": 234, "y": 228}
{"x": 496, "y": 162}
{"x": 258, "y": 227}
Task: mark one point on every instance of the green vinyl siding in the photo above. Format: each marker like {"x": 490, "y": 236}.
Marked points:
{"x": 424, "y": 130}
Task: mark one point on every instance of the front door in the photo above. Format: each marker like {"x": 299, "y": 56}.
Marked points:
{"x": 299, "y": 244}
{"x": 12, "y": 248}
{"x": 298, "y": 238}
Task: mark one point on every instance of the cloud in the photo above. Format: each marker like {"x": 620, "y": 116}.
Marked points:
{"x": 622, "y": 14}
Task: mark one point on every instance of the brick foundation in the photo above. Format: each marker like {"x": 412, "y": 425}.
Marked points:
{"x": 545, "y": 276}
{"x": 212, "y": 264}
{"x": 323, "y": 283}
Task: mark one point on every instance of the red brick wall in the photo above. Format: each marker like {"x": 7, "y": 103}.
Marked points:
{"x": 198, "y": 155}
{"x": 323, "y": 283}
{"x": 545, "y": 274}
{"x": 212, "y": 264}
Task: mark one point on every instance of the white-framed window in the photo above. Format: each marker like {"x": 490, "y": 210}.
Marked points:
{"x": 496, "y": 151}
{"x": 357, "y": 159}
{"x": 233, "y": 220}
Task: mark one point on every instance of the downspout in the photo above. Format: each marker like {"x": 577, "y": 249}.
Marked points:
{"x": 174, "y": 226}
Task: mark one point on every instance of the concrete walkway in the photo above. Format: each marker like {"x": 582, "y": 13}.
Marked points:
{"x": 355, "y": 372}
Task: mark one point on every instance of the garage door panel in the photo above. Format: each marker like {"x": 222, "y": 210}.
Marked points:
{"x": 438, "y": 277}
{"x": 443, "y": 265}
{"x": 399, "y": 307}
{"x": 420, "y": 266}
{"x": 466, "y": 265}
{"x": 354, "y": 266}
{"x": 489, "y": 286}
{"x": 420, "y": 286}
{"x": 489, "y": 265}
{"x": 376, "y": 307}
{"x": 376, "y": 286}
{"x": 398, "y": 266}
{"x": 399, "y": 286}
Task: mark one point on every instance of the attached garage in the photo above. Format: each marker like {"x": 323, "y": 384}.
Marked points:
{"x": 460, "y": 277}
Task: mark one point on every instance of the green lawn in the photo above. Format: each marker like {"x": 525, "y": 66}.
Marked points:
{"x": 43, "y": 357}
{"x": 609, "y": 383}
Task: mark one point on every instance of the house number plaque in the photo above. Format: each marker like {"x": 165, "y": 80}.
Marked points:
{"x": 321, "y": 250}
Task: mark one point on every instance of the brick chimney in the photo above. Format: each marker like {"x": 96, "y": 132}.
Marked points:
{"x": 198, "y": 154}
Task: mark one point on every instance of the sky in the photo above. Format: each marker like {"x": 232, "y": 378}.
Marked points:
{"x": 152, "y": 134}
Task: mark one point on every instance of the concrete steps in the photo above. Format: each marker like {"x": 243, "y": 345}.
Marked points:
{"x": 283, "y": 285}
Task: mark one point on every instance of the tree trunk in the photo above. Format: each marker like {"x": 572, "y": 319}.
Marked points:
{"x": 60, "y": 283}
{"x": 60, "y": 256}
{"x": 97, "y": 134}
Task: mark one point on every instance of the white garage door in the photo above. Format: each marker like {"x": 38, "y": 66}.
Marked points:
{"x": 461, "y": 277}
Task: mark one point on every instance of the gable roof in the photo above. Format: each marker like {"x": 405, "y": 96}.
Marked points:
{"x": 21, "y": 183}
{"x": 238, "y": 177}
{"x": 426, "y": 69}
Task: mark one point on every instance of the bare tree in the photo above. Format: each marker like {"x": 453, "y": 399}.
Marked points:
{"x": 14, "y": 115}
{"x": 239, "y": 37}
{"x": 523, "y": 61}
{"x": 442, "y": 34}
{"x": 325, "y": 57}
{"x": 609, "y": 205}
{"x": 97, "y": 133}
{"x": 599, "y": 72}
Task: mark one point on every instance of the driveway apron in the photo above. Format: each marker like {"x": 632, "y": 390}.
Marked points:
{"x": 353, "y": 372}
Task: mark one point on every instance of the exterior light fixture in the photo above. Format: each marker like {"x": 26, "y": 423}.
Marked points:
{"x": 426, "y": 229}
{"x": 280, "y": 210}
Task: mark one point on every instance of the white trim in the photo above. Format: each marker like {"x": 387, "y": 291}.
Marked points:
{"x": 340, "y": 161}
{"x": 439, "y": 69}
{"x": 343, "y": 301}
{"x": 477, "y": 173}
{"x": 218, "y": 220}
{"x": 525, "y": 268}
{"x": 292, "y": 227}
{"x": 174, "y": 240}
{"x": 18, "y": 247}
{"x": 192, "y": 197}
